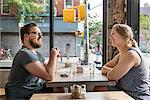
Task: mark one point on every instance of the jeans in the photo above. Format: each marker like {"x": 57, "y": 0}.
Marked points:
{"x": 19, "y": 93}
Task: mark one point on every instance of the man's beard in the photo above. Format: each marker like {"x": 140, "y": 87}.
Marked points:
{"x": 34, "y": 45}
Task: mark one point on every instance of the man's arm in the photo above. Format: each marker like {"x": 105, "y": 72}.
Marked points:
{"x": 46, "y": 72}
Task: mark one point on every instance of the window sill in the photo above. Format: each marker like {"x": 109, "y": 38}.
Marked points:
{"x": 5, "y": 64}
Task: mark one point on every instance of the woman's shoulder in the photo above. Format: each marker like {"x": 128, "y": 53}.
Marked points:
{"x": 134, "y": 55}
{"x": 134, "y": 52}
{"x": 134, "y": 49}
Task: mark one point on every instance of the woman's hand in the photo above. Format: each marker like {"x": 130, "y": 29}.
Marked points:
{"x": 105, "y": 70}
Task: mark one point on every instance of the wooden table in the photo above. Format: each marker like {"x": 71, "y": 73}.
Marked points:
{"x": 114, "y": 95}
{"x": 91, "y": 80}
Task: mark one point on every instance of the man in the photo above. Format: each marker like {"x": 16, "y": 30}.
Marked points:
{"x": 29, "y": 66}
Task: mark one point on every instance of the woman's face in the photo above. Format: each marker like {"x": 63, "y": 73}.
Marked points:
{"x": 116, "y": 38}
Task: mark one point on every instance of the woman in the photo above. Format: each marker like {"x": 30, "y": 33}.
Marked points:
{"x": 127, "y": 67}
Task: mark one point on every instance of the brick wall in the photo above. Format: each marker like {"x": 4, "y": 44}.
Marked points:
{"x": 59, "y": 4}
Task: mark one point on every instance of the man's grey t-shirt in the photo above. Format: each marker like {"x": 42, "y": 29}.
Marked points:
{"x": 21, "y": 78}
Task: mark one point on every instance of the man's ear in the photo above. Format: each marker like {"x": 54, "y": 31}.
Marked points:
{"x": 26, "y": 36}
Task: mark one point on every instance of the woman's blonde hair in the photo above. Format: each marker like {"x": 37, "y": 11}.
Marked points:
{"x": 127, "y": 34}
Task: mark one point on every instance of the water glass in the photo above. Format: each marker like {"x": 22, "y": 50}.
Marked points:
{"x": 91, "y": 68}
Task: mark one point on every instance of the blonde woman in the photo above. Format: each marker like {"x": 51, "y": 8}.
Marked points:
{"x": 127, "y": 67}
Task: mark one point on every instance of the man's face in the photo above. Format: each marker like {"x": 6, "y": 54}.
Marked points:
{"x": 35, "y": 37}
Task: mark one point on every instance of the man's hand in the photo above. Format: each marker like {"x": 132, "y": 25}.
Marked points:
{"x": 55, "y": 52}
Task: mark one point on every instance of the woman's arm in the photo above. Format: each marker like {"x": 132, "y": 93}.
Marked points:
{"x": 108, "y": 66}
{"x": 105, "y": 69}
{"x": 126, "y": 62}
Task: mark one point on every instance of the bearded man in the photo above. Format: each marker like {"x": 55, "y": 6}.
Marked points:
{"x": 29, "y": 69}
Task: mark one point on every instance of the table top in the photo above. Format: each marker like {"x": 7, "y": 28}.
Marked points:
{"x": 86, "y": 77}
{"x": 111, "y": 95}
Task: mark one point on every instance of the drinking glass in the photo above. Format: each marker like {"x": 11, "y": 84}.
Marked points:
{"x": 91, "y": 68}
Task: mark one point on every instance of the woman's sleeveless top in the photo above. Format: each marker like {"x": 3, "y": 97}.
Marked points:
{"x": 135, "y": 82}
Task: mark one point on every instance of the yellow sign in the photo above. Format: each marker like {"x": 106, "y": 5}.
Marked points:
{"x": 81, "y": 12}
{"x": 69, "y": 15}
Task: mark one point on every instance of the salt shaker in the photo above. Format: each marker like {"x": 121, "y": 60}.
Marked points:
{"x": 83, "y": 91}
{"x": 76, "y": 91}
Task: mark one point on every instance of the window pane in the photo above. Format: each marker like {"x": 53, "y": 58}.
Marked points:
{"x": 69, "y": 3}
{"x": 95, "y": 22}
{"x": 145, "y": 29}
{"x": 23, "y": 14}
{"x": 6, "y": 9}
{"x": 71, "y": 33}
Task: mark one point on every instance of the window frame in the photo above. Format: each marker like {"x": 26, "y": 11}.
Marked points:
{"x": 105, "y": 30}
{"x": 133, "y": 17}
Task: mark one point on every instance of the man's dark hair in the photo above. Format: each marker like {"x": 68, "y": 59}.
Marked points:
{"x": 26, "y": 29}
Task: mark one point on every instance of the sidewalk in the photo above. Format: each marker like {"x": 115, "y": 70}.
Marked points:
{"x": 91, "y": 58}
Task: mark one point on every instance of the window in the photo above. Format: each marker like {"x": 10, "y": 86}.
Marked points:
{"x": 46, "y": 4}
{"x": 144, "y": 26}
{"x": 64, "y": 33}
{"x": 5, "y": 8}
{"x": 144, "y": 30}
{"x": 9, "y": 33}
{"x": 95, "y": 25}
{"x": 68, "y": 3}
{"x": 47, "y": 7}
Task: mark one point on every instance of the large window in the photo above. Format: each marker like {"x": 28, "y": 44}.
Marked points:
{"x": 64, "y": 33}
{"x": 95, "y": 23}
{"x": 145, "y": 29}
